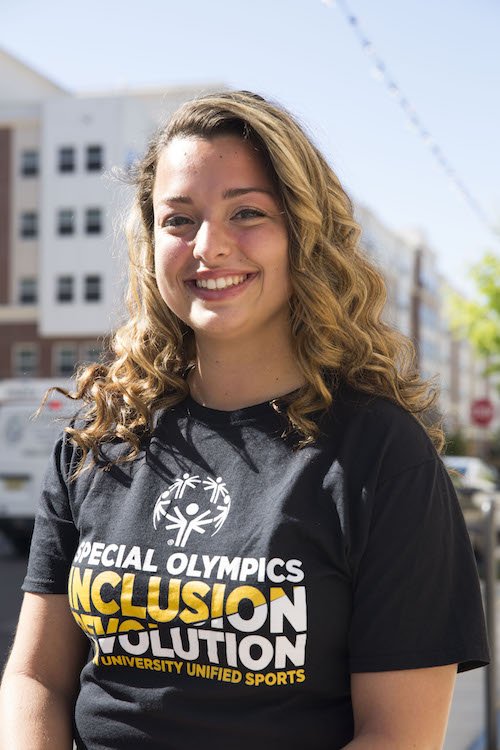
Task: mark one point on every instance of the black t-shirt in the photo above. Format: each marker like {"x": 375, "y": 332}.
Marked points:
{"x": 230, "y": 583}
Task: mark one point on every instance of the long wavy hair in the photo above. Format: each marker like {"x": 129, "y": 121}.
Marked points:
{"x": 337, "y": 300}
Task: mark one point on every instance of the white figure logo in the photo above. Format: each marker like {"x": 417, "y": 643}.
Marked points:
{"x": 192, "y": 504}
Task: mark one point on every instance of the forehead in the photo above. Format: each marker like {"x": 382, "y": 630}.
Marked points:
{"x": 226, "y": 156}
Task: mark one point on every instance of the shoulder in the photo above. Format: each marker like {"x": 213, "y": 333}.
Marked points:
{"x": 67, "y": 454}
{"x": 375, "y": 430}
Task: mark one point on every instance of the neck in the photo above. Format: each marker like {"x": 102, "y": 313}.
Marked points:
{"x": 228, "y": 377}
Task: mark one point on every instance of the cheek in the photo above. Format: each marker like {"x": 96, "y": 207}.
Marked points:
{"x": 169, "y": 272}
{"x": 170, "y": 259}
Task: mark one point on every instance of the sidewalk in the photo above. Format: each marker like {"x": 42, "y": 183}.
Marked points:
{"x": 467, "y": 717}
{"x": 467, "y": 720}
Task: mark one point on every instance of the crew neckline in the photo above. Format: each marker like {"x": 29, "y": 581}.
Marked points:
{"x": 263, "y": 412}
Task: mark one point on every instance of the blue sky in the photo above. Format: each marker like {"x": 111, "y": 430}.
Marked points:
{"x": 442, "y": 55}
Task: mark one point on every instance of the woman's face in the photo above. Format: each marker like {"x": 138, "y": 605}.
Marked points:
{"x": 221, "y": 242}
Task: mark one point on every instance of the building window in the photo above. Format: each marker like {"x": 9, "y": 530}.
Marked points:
{"x": 29, "y": 163}
{"x": 25, "y": 360}
{"x": 64, "y": 291}
{"x": 65, "y": 359}
{"x": 29, "y": 224}
{"x": 27, "y": 291}
{"x": 66, "y": 221}
{"x": 93, "y": 221}
{"x": 94, "y": 159}
{"x": 66, "y": 160}
{"x": 92, "y": 288}
{"x": 90, "y": 352}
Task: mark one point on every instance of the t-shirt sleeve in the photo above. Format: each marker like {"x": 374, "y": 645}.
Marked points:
{"x": 55, "y": 536}
{"x": 416, "y": 597}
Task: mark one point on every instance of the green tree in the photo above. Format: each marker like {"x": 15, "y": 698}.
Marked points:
{"x": 479, "y": 320}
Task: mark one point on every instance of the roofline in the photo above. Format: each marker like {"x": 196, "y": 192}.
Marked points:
{"x": 27, "y": 66}
{"x": 155, "y": 90}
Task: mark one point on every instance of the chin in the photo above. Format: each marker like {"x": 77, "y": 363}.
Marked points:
{"x": 220, "y": 333}
{"x": 219, "y": 329}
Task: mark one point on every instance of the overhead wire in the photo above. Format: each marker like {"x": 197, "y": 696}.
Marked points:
{"x": 380, "y": 71}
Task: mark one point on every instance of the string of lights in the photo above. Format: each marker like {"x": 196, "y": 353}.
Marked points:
{"x": 381, "y": 73}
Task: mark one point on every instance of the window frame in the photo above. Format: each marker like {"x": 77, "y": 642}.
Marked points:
{"x": 90, "y": 352}
{"x": 68, "y": 297}
{"x": 30, "y": 162}
{"x": 92, "y": 287}
{"x": 58, "y": 350}
{"x": 66, "y": 159}
{"x": 28, "y": 226}
{"x": 25, "y": 347}
{"x": 93, "y": 220}
{"x": 22, "y": 297}
{"x": 94, "y": 158}
{"x": 66, "y": 228}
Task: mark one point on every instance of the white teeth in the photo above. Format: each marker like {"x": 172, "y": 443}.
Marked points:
{"x": 221, "y": 283}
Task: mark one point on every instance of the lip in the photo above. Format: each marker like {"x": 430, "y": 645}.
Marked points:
{"x": 218, "y": 274}
{"x": 219, "y": 294}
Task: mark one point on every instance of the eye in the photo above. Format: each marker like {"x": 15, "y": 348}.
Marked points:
{"x": 249, "y": 213}
{"x": 175, "y": 222}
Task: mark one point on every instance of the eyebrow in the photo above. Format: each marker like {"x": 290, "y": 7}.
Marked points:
{"x": 236, "y": 192}
{"x": 230, "y": 193}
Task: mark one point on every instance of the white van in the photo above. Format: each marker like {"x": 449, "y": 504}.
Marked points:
{"x": 25, "y": 446}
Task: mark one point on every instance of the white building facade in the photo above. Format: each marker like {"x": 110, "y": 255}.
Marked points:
{"x": 62, "y": 259}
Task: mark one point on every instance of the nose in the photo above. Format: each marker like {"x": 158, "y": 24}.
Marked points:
{"x": 211, "y": 242}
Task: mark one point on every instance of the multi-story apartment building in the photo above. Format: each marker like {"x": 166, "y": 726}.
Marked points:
{"x": 426, "y": 306}
{"x": 414, "y": 302}
{"x": 417, "y": 307}
{"x": 395, "y": 258}
{"x": 62, "y": 266}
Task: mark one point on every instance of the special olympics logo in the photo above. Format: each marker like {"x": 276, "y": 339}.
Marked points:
{"x": 190, "y": 505}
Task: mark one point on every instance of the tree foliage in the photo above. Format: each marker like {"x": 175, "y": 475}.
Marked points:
{"x": 479, "y": 319}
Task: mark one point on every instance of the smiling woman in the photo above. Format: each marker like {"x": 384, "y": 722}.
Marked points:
{"x": 221, "y": 243}
{"x": 249, "y": 520}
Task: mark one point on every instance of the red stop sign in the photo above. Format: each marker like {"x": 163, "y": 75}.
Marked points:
{"x": 481, "y": 412}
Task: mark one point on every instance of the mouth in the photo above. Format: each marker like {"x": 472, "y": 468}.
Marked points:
{"x": 223, "y": 282}
{"x": 221, "y": 287}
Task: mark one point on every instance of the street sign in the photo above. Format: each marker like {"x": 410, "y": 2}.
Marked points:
{"x": 481, "y": 412}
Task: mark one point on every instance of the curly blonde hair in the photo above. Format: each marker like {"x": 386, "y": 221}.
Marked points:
{"x": 337, "y": 298}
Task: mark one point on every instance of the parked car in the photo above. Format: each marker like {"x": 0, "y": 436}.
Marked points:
{"x": 475, "y": 482}
{"x": 474, "y": 473}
